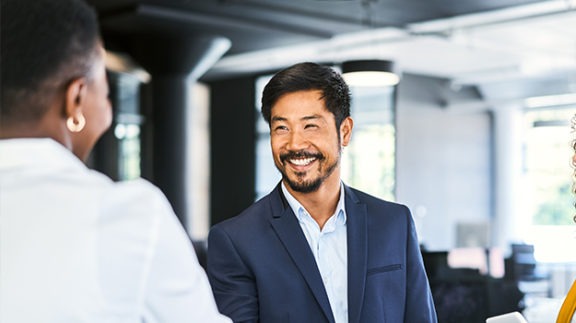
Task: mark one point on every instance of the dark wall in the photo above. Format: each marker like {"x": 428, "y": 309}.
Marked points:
{"x": 233, "y": 151}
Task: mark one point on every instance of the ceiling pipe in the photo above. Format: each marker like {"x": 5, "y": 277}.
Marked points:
{"x": 216, "y": 21}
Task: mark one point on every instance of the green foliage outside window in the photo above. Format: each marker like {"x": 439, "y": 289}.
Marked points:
{"x": 548, "y": 173}
{"x": 558, "y": 210}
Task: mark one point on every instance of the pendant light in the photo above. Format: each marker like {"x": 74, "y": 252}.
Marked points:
{"x": 369, "y": 73}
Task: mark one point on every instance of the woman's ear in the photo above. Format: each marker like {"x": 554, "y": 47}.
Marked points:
{"x": 75, "y": 96}
{"x": 74, "y": 101}
{"x": 346, "y": 131}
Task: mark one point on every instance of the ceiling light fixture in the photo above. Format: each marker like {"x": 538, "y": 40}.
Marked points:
{"x": 550, "y": 100}
{"x": 369, "y": 73}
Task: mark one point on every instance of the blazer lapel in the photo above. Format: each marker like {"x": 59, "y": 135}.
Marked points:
{"x": 357, "y": 239}
{"x": 289, "y": 232}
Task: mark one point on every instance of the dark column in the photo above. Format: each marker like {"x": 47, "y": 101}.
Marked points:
{"x": 174, "y": 63}
{"x": 233, "y": 147}
{"x": 169, "y": 142}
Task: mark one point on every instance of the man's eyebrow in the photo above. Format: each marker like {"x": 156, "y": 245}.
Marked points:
{"x": 312, "y": 117}
{"x": 276, "y": 118}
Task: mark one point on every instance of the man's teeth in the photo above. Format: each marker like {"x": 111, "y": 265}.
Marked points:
{"x": 302, "y": 161}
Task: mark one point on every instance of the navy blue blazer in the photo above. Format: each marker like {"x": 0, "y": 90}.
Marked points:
{"x": 261, "y": 267}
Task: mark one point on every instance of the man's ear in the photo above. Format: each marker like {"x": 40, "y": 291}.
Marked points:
{"x": 346, "y": 131}
{"x": 75, "y": 97}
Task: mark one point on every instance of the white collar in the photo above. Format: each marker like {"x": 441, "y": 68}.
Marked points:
{"x": 297, "y": 206}
{"x": 36, "y": 152}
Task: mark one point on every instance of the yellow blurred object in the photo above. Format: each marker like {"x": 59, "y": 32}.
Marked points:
{"x": 568, "y": 307}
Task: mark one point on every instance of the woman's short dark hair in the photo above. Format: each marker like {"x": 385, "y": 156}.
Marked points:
{"x": 45, "y": 45}
{"x": 309, "y": 76}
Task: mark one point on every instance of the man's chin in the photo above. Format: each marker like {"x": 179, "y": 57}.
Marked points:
{"x": 304, "y": 186}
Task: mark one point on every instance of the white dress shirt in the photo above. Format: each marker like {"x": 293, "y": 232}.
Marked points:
{"x": 77, "y": 247}
{"x": 330, "y": 248}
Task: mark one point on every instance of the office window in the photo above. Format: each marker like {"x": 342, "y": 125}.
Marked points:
{"x": 549, "y": 202}
{"x": 267, "y": 176}
{"x": 117, "y": 152}
{"x": 127, "y": 124}
{"x": 368, "y": 163}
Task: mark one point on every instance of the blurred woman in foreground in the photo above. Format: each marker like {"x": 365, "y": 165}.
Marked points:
{"x": 75, "y": 246}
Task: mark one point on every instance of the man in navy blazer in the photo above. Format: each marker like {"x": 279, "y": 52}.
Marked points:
{"x": 315, "y": 250}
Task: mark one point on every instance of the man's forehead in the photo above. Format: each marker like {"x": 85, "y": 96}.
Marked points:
{"x": 313, "y": 97}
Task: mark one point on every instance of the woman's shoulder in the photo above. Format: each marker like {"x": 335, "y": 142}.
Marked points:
{"x": 138, "y": 188}
{"x": 136, "y": 196}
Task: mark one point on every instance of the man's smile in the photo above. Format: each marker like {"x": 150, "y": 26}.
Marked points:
{"x": 300, "y": 159}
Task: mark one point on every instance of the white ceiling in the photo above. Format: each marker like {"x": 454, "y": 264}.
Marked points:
{"x": 521, "y": 45}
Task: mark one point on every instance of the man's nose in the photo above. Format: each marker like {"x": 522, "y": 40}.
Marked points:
{"x": 297, "y": 141}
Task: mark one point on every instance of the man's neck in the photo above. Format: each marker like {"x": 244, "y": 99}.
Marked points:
{"x": 321, "y": 204}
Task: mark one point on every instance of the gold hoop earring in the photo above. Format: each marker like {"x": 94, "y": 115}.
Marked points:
{"x": 76, "y": 125}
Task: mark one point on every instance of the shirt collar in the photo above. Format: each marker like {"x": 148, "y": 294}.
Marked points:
{"x": 36, "y": 152}
{"x": 300, "y": 211}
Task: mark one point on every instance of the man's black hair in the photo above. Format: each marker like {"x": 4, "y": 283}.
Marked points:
{"x": 309, "y": 76}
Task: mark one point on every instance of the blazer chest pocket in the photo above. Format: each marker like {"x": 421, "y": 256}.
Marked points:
{"x": 383, "y": 269}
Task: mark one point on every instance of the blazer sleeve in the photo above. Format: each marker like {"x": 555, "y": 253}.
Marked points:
{"x": 419, "y": 302}
{"x": 232, "y": 281}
